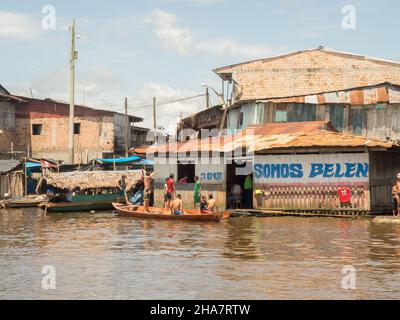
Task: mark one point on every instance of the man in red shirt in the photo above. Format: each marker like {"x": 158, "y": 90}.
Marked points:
{"x": 170, "y": 190}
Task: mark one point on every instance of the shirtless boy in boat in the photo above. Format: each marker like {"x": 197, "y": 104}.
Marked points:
{"x": 147, "y": 177}
{"x": 209, "y": 206}
{"x": 177, "y": 205}
{"x": 212, "y": 204}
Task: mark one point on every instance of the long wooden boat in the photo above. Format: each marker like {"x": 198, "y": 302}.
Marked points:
{"x": 81, "y": 203}
{"x": 162, "y": 213}
{"x": 23, "y": 202}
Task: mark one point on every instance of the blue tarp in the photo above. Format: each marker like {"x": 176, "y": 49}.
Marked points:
{"x": 146, "y": 162}
{"x": 33, "y": 165}
{"x": 120, "y": 160}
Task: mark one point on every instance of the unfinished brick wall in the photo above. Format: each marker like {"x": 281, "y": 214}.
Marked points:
{"x": 308, "y": 72}
{"x": 96, "y": 131}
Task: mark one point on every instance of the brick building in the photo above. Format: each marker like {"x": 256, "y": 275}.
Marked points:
{"x": 42, "y": 126}
{"x": 358, "y": 94}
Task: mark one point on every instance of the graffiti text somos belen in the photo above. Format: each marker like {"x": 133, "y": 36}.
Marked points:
{"x": 324, "y": 170}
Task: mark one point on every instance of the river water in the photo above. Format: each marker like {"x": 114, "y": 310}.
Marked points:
{"x": 103, "y": 256}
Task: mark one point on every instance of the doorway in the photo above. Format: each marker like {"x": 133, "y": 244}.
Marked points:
{"x": 238, "y": 179}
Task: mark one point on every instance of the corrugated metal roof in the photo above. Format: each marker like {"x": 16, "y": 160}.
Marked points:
{"x": 272, "y": 136}
{"x": 65, "y": 106}
{"x": 9, "y": 97}
{"x": 8, "y": 165}
{"x": 312, "y": 139}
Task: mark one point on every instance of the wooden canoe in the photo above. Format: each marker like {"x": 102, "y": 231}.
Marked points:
{"x": 23, "y": 202}
{"x": 162, "y": 213}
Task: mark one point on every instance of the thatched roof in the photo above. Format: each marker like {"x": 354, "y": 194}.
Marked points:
{"x": 91, "y": 179}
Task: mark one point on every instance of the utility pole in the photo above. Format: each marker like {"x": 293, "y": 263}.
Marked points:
{"x": 25, "y": 178}
{"x": 154, "y": 121}
{"x": 126, "y": 128}
{"x": 207, "y": 98}
{"x": 73, "y": 57}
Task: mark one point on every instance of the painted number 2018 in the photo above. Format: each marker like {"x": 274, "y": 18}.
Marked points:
{"x": 211, "y": 176}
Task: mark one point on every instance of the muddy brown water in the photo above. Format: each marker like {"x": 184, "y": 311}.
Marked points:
{"x": 103, "y": 256}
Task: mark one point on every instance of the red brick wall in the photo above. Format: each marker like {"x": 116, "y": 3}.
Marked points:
{"x": 96, "y": 132}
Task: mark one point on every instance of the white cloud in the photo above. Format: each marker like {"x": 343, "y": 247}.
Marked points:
{"x": 18, "y": 26}
{"x": 181, "y": 40}
{"x": 172, "y": 37}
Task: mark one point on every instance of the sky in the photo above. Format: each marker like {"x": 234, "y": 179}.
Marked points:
{"x": 168, "y": 48}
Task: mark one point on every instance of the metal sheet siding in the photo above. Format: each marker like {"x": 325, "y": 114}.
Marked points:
{"x": 306, "y": 161}
{"x": 312, "y": 189}
{"x": 211, "y": 173}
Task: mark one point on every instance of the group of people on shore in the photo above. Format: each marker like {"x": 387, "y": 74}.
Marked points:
{"x": 172, "y": 200}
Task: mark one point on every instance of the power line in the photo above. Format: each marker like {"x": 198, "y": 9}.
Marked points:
{"x": 119, "y": 107}
{"x": 46, "y": 77}
{"x": 169, "y": 102}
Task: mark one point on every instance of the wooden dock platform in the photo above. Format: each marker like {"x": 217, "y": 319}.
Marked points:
{"x": 300, "y": 213}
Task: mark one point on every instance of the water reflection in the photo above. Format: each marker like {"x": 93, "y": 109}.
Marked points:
{"x": 384, "y": 245}
{"x": 105, "y": 256}
{"x": 242, "y": 242}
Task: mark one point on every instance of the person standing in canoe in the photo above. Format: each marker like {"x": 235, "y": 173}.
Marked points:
{"x": 122, "y": 185}
{"x": 147, "y": 181}
{"x": 196, "y": 192}
{"x": 165, "y": 191}
{"x": 396, "y": 197}
{"x": 170, "y": 190}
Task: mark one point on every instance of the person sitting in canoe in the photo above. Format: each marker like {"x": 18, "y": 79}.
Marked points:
{"x": 211, "y": 204}
{"x": 204, "y": 204}
{"x": 177, "y": 205}
{"x": 208, "y": 206}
